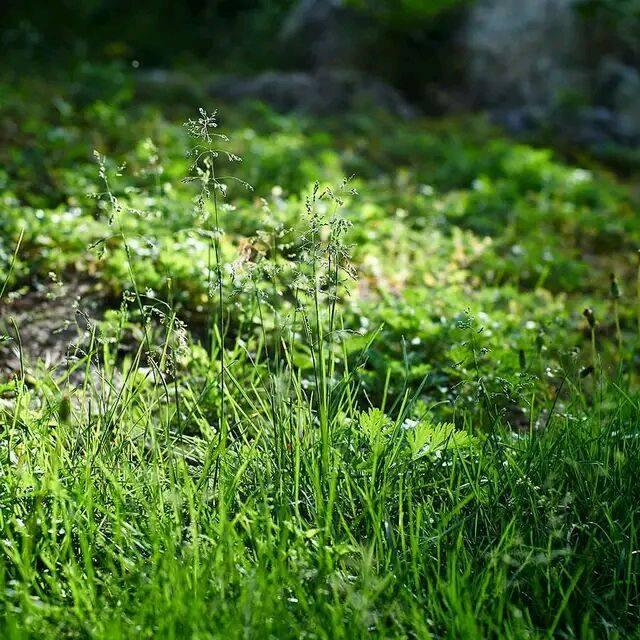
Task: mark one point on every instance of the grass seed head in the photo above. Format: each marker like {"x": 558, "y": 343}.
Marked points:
{"x": 586, "y": 371}
{"x": 522, "y": 358}
{"x": 614, "y": 289}
{"x": 64, "y": 408}
{"x": 590, "y": 316}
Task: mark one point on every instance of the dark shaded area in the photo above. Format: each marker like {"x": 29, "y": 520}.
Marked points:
{"x": 155, "y": 33}
{"x": 403, "y": 47}
{"x": 560, "y": 72}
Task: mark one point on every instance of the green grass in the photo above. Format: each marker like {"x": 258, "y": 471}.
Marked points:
{"x": 350, "y": 414}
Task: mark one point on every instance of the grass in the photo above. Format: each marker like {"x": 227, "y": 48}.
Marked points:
{"x": 247, "y": 440}
{"x": 391, "y": 526}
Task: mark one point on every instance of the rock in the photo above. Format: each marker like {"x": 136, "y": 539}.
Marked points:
{"x": 618, "y": 89}
{"x": 285, "y": 91}
{"x": 522, "y": 51}
{"x": 324, "y": 34}
{"x": 167, "y": 84}
{"x": 599, "y": 127}
{"x": 323, "y": 92}
{"x": 518, "y": 120}
{"x": 593, "y": 127}
{"x": 528, "y": 64}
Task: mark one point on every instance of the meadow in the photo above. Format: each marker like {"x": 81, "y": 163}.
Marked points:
{"x": 272, "y": 376}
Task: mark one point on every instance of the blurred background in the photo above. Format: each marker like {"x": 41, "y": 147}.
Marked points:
{"x": 562, "y": 71}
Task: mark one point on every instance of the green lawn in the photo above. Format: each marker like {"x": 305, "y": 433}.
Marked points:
{"x": 357, "y": 398}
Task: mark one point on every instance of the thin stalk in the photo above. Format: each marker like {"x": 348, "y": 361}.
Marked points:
{"x": 217, "y": 251}
{"x": 616, "y": 314}
{"x": 321, "y": 375}
{"x": 12, "y": 265}
{"x": 214, "y": 242}
{"x": 638, "y": 293}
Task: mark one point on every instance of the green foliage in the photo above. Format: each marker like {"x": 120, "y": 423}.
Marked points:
{"x": 617, "y": 22}
{"x": 249, "y": 440}
{"x": 406, "y": 12}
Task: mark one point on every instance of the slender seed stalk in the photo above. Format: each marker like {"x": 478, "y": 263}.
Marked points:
{"x": 591, "y": 321}
{"x": 616, "y": 294}
{"x": 204, "y": 170}
{"x": 616, "y": 315}
{"x": 638, "y": 292}
{"x": 220, "y": 287}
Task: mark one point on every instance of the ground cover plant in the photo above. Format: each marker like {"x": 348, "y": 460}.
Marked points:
{"x": 375, "y": 378}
